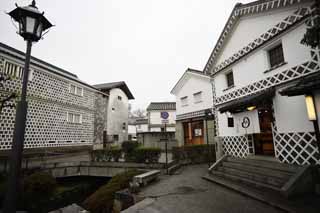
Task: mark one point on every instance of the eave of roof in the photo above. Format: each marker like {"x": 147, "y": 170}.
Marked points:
{"x": 188, "y": 71}
{"x": 305, "y": 85}
{"x": 44, "y": 65}
{"x": 34, "y": 59}
{"x": 161, "y": 106}
{"x": 241, "y": 104}
{"x": 120, "y": 84}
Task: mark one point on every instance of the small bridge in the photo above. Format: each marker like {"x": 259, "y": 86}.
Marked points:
{"x": 97, "y": 169}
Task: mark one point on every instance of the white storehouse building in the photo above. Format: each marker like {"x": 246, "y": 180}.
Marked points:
{"x": 193, "y": 93}
{"x": 62, "y": 109}
{"x": 259, "y": 54}
{"x": 160, "y": 124}
{"x": 117, "y": 111}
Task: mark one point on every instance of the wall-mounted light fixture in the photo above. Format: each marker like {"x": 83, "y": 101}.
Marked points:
{"x": 250, "y": 108}
{"x": 310, "y": 107}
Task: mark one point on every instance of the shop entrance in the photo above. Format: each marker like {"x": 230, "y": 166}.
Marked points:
{"x": 193, "y": 132}
{"x": 263, "y": 141}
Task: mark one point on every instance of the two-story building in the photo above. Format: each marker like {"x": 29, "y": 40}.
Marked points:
{"x": 159, "y": 125}
{"x": 193, "y": 93}
{"x": 62, "y": 109}
{"x": 117, "y": 110}
{"x": 259, "y": 54}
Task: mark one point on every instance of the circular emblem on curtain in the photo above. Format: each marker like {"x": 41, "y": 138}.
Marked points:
{"x": 245, "y": 122}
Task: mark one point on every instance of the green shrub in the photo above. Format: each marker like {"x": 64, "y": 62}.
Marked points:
{"x": 194, "y": 153}
{"x": 39, "y": 184}
{"x": 101, "y": 201}
{"x": 38, "y": 189}
{"x": 128, "y": 148}
{"x": 113, "y": 153}
{"x": 147, "y": 155}
{"x": 98, "y": 155}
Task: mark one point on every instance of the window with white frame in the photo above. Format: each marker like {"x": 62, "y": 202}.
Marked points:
{"x": 74, "y": 118}
{"x": 184, "y": 101}
{"x": 197, "y": 97}
{"x": 73, "y": 89}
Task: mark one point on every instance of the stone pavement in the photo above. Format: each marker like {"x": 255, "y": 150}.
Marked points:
{"x": 187, "y": 192}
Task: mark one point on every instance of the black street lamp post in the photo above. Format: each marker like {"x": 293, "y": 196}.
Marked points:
{"x": 208, "y": 115}
{"x": 31, "y": 25}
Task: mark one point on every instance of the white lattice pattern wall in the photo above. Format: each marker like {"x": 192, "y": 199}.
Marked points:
{"x": 276, "y": 30}
{"x": 236, "y": 146}
{"x": 240, "y": 11}
{"x": 279, "y": 78}
{"x": 296, "y": 147}
{"x": 49, "y": 102}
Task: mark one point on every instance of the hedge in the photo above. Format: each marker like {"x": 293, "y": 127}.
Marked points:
{"x": 114, "y": 153}
{"x": 128, "y": 148}
{"x": 194, "y": 153}
{"x": 146, "y": 155}
{"x": 101, "y": 201}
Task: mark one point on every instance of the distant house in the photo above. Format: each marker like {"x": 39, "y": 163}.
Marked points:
{"x": 194, "y": 100}
{"x": 117, "y": 110}
{"x": 159, "y": 125}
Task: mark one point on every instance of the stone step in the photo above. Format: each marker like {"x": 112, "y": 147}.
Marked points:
{"x": 259, "y": 170}
{"x": 244, "y": 180}
{"x": 266, "y": 164}
{"x": 265, "y": 179}
{"x": 265, "y": 196}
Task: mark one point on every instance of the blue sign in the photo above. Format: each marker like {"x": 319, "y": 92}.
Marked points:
{"x": 164, "y": 115}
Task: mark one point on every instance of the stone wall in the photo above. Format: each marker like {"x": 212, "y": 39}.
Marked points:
{"x": 153, "y": 139}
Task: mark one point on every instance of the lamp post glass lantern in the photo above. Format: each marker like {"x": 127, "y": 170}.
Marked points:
{"x": 31, "y": 25}
{"x": 31, "y": 21}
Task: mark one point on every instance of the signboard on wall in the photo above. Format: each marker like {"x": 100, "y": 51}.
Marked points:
{"x": 197, "y": 132}
{"x": 164, "y": 117}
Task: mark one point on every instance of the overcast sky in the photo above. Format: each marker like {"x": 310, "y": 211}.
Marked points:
{"x": 146, "y": 43}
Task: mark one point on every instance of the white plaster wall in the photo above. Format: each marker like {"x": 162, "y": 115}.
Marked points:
{"x": 193, "y": 85}
{"x": 158, "y": 129}
{"x": 142, "y": 128}
{"x": 132, "y": 129}
{"x": 291, "y": 114}
{"x": 155, "y": 129}
{"x": 154, "y": 117}
{"x": 252, "y": 27}
{"x": 251, "y": 68}
{"x": 119, "y": 116}
{"x": 224, "y": 130}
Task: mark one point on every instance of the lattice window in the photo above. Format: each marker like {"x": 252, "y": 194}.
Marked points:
{"x": 276, "y": 56}
{"x": 236, "y": 146}
{"x": 229, "y": 78}
{"x": 296, "y": 147}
